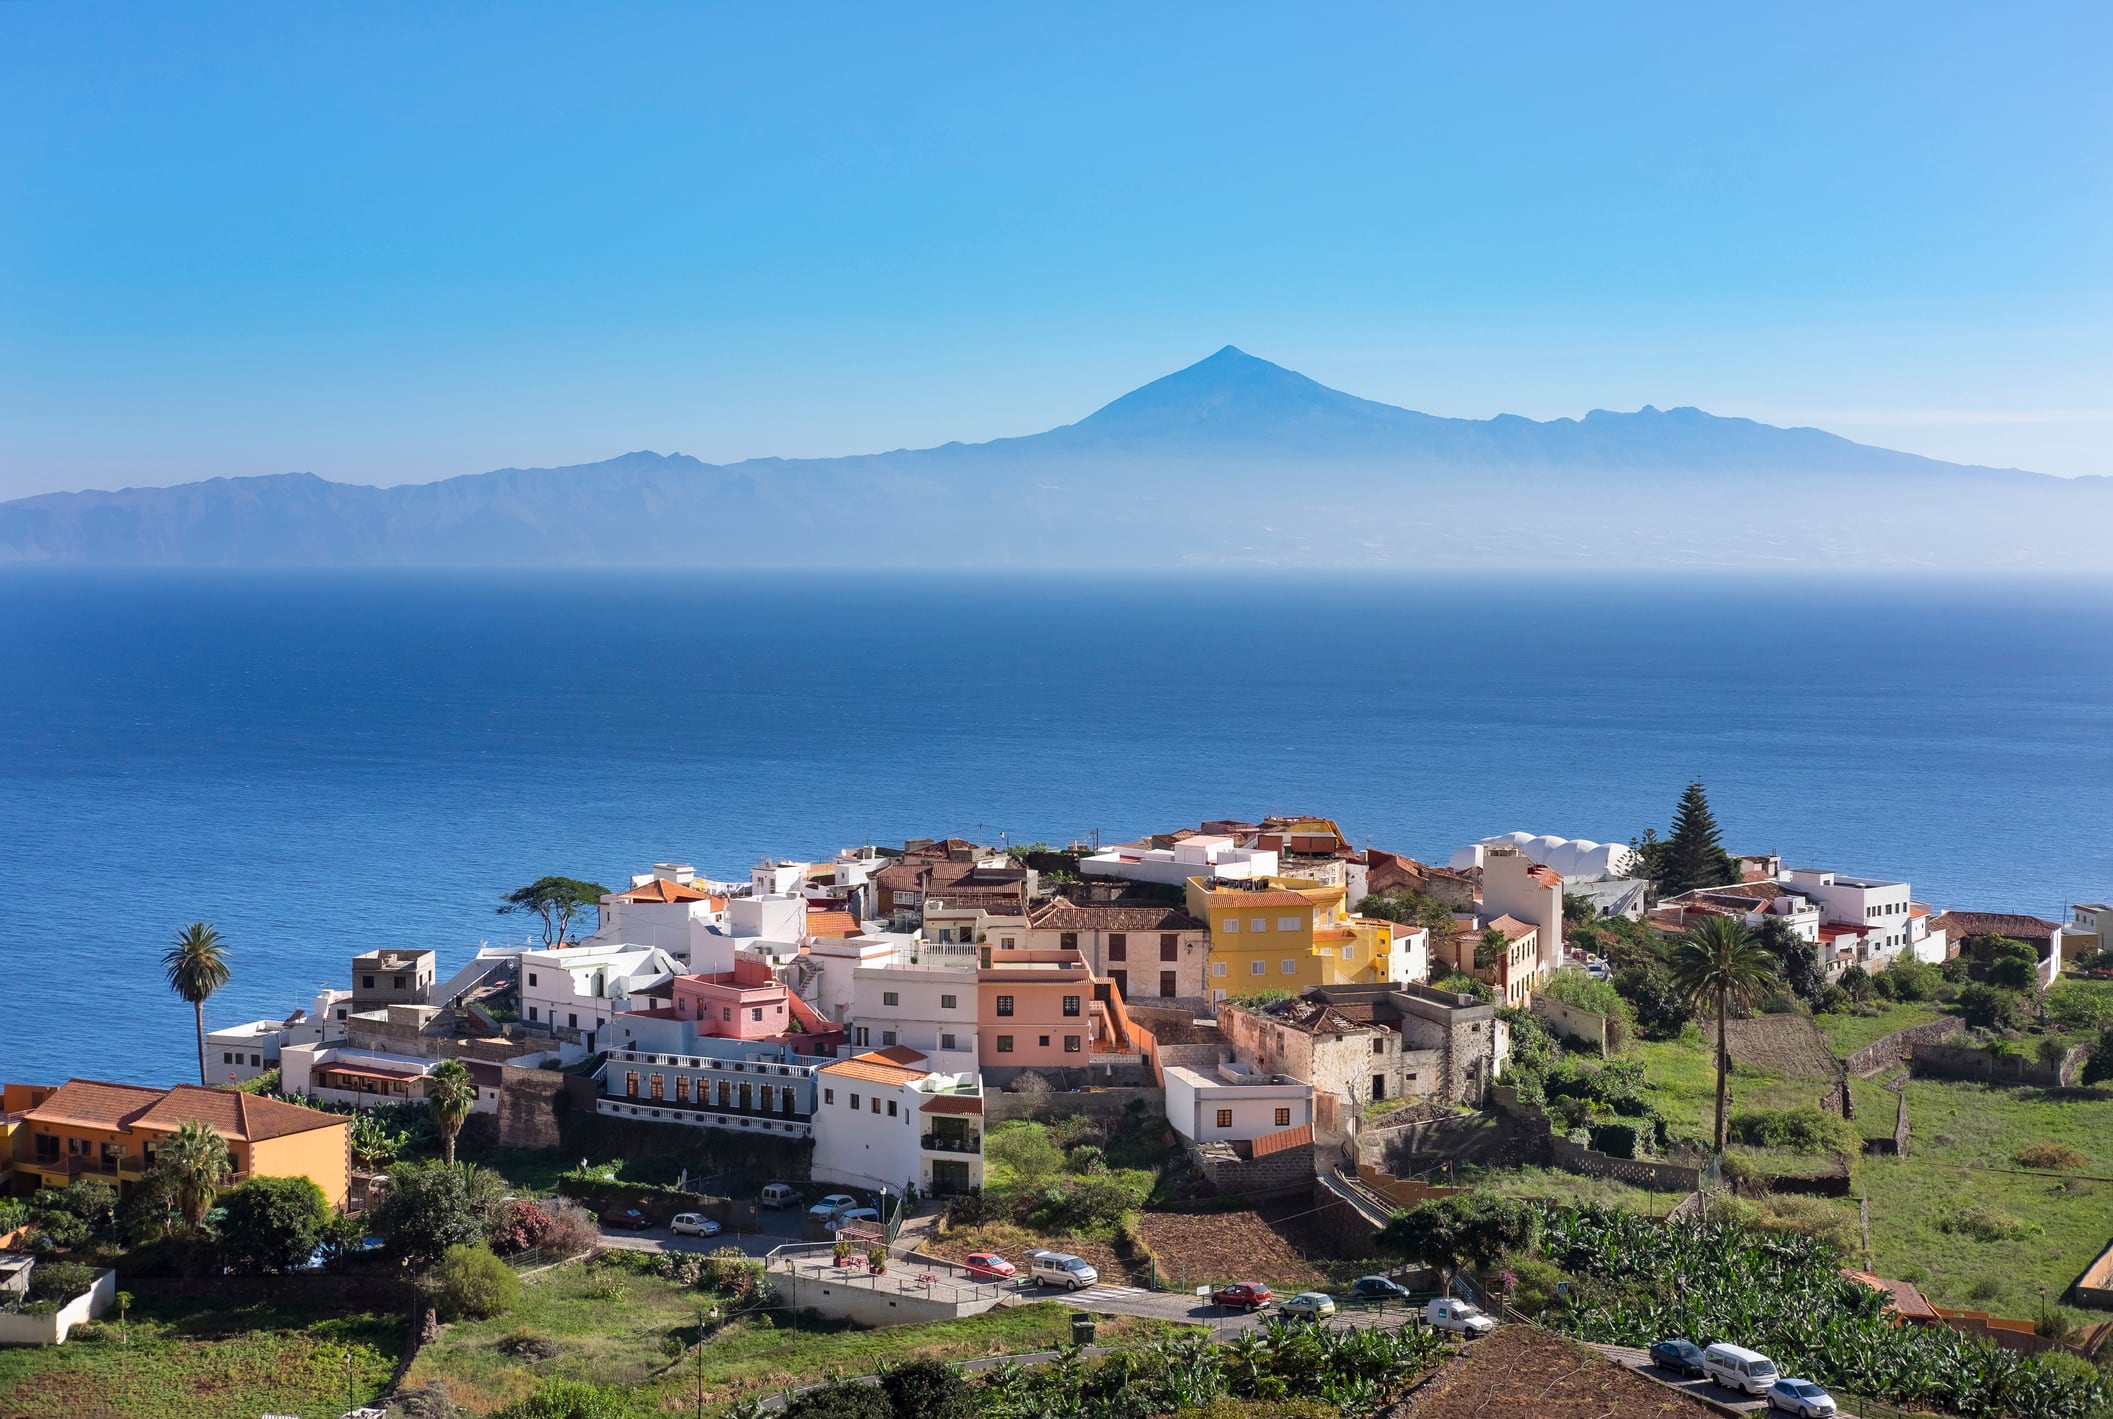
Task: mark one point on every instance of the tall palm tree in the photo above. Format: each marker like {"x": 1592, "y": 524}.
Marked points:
{"x": 197, "y": 966}
{"x": 449, "y": 1095}
{"x": 1721, "y": 965}
{"x": 196, "y": 1162}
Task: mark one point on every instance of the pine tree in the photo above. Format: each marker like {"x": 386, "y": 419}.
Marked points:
{"x": 1691, "y": 855}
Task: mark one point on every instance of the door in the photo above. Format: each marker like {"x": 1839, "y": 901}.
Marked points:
{"x": 1166, "y": 985}
{"x": 1122, "y": 983}
{"x": 949, "y": 1177}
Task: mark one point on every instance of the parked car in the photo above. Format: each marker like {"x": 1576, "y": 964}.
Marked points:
{"x": 1057, "y": 1268}
{"x": 690, "y": 1224}
{"x": 1682, "y": 1357}
{"x": 778, "y": 1195}
{"x": 1308, "y": 1305}
{"x": 828, "y": 1207}
{"x": 1736, "y": 1367}
{"x": 1378, "y": 1288}
{"x": 630, "y": 1219}
{"x": 1460, "y": 1317}
{"x": 1801, "y": 1397}
{"x": 1243, "y": 1296}
{"x": 989, "y": 1266}
{"x": 853, "y": 1217}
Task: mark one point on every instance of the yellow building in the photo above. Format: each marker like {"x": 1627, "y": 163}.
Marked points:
{"x": 1289, "y": 933}
{"x": 89, "y": 1128}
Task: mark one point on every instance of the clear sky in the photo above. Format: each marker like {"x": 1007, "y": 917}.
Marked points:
{"x": 393, "y": 242}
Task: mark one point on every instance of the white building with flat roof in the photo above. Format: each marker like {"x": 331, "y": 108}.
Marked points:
{"x": 1232, "y": 1102}
{"x": 578, "y": 989}
{"x": 1879, "y": 907}
{"x": 1203, "y": 855}
{"x": 923, "y": 998}
{"x": 886, "y": 1119}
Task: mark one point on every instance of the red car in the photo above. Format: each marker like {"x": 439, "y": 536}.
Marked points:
{"x": 631, "y": 1218}
{"x": 989, "y": 1266}
{"x": 1243, "y": 1296}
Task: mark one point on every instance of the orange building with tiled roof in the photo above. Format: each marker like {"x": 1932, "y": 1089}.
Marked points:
{"x": 90, "y": 1128}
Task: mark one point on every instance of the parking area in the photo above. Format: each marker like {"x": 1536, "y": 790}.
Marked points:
{"x": 1704, "y": 1390}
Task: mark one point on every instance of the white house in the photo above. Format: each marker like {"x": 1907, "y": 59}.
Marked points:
{"x": 668, "y": 907}
{"x": 922, "y": 997}
{"x": 1203, "y": 855}
{"x": 1875, "y": 908}
{"x": 370, "y": 1078}
{"x": 579, "y": 988}
{"x": 235, "y": 1053}
{"x": 830, "y": 982}
{"x": 1233, "y": 1102}
{"x": 886, "y": 1119}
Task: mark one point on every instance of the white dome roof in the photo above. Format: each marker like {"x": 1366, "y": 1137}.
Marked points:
{"x": 1573, "y": 857}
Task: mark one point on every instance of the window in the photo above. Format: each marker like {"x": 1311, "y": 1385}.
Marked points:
{"x": 531, "y": 1013}
{"x": 946, "y": 1002}
{"x": 1232, "y": 926}
{"x": 1071, "y": 1005}
{"x": 1258, "y": 968}
{"x": 1170, "y": 947}
{"x": 1166, "y": 985}
{"x": 1288, "y": 923}
{"x": 887, "y": 1039}
{"x": 366, "y": 982}
{"x": 531, "y": 977}
{"x": 1045, "y": 1042}
{"x": 1006, "y": 942}
{"x": 876, "y": 1103}
{"x": 1071, "y": 1044}
{"x": 682, "y": 1089}
{"x": 947, "y": 1042}
{"x": 1225, "y": 1118}
{"x": 863, "y": 1038}
{"x": 1005, "y": 1044}
{"x": 891, "y": 1108}
{"x": 1379, "y": 1046}
{"x": 1069, "y": 940}
{"x": 1283, "y": 1118}
{"x": 726, "y": 1012}
{"x": 829, "y": 1096}
{"x": 1118, "y": 946}
{"x": 854, "y": 1103}
{"x": 889, "y": 997}
{"x": 572, "y": 1021}
{"x": 227, "y": 1057}
{"x": 1217, "y": 968}
{"x": 1005, "y": 1005}
{"x": 1258, "y": 923}
{"x": 1289, "y": 967}
{"x": 396, "y": 982}
{"x": 658, "y": 1085}
{"x": 755, "y": 1012}
{"x": 256, "y": 1061}
{"x": 631, "y": 1083}
{"x": 1349, "y": 953}
{"x": 1122, "y": 983}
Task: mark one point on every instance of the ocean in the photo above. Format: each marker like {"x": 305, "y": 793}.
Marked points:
{"x": 321, "y": 764}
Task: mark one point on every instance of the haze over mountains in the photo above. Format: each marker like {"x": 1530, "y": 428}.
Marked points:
{"x": 1233, "y": 461}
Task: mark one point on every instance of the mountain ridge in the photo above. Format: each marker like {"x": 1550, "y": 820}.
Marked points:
{"x": 1243, "y": 461}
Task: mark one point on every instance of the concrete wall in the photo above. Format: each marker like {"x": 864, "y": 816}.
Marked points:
{"x": 53, "y": 1329}
{"x": 1229, "y": 1173}
{"x": 1960, "y": 1062}
{"x": 1573, "y": 1021}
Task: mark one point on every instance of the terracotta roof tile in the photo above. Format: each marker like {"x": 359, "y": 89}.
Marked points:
{"x": 952, "y": 1104}
{"x": 873, "y": 1069}
{"x": 2012, "y": 924}
{"x": 1062, "y": 914}
{"x": 247, "y": 1118}
{"x": 660, "y": 889}
{"x": 91, "y": 1103}
{"x": 827, "y": 923}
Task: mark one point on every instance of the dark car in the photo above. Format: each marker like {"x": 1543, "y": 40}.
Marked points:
{"x": 1378, "y": 1288}
{"x": 1682, "y": 1357}
{"x": 630, "y": 1218}
{"x": 1243, "y": 1296}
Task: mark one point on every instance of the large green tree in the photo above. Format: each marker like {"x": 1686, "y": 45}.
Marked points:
{"x": 428, "y": 1208}
{"x": 1691, "y": 855}
{"x": 1720, "y": 967}
{"x": 556, "y": 900}
{"x": 194, "y": 1161}
{"x": 449, "y": 1094}
{"x": 197, "y": 966}
{"x": 273, "y": 1224}
{"x": 1468, "y": 1227}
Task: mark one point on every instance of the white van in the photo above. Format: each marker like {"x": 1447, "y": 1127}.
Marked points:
{"x": 780, "y": 1195}
{"x": 1736, "y": 1367}
{"x": 1056, "y": 1268}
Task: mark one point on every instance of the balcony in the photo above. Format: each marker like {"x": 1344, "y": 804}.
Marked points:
{"x": 970, "y": 1142}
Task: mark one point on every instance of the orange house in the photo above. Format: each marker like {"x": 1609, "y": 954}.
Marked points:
{"x": 1036, "y": 1009}
{"x": 88, "y": 1128}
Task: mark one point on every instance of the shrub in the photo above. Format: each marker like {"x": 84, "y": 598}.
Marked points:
{"x": 1660, "y": 1012}
{"x": 1079, "y": 1206}
{"x": 973, "y": 1208}
{"x": 1987, "y": 1224}
{"x": 839, "y": 1399}
{"x": 272, "y": 1224}
{"x": 927, "y": 1389}
{"x": 2057, "y": 1156}
{"x": 1460, "y": 984}
{"x": 731, "y": 1271}
{"x": 1572, "y": 986}
{"x": 521, "y": 1226}
{"x": 1908, "y": 979}
{"x": 2077, "y": 1007}
{"x": 570, "y": 1399}
{"x": 528, "y": 1345}
{"x": 1805, "y": 1130}
{"x": 1789, "y": 1214}
{"x": 428, "y": 1209}
{"x": 1086, "y": 1158}
{"x": 2098, "y": 1069}
{"x": 1024, "y": 1149}
{"x": 470, "y": 1281}
{"x": 59, "y": 1281}
{"x": 1988, "y": 1007}
{"x": 1534, "y": 1283}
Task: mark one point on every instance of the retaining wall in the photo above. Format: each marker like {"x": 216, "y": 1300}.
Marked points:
{"x": 528, "y": 1107}
{"x": 1573, "y": 1021}
{"x": 1959, "y": 1062}
{"x": 1889, "y": 1050}
{"x": 53, "y": 1329}
{"x": 1282, "y": 1171}
{"x": 1106, "y": 1105}
{"x": 1576, "y": 1158}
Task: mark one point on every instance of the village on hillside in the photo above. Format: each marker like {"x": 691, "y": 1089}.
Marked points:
{"x": 1709, "y": 1126}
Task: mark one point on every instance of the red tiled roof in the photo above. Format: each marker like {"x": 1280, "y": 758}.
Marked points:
{"x": 898, "y": 1054}
{"x": 2017, "y": 927}
{"x": 247, "y": 1118}
{"x": 660, "y": 889}
{"x": 1908, "y": 1302}
{"x": 1063, "y": 914}
{"x": 91, "y": 1103}
{"x": 875, "y": 1068}
{"x": 1512, "y": 927}
{"x": 828, "y": 923}
{"x": 1287, "y": 1138}
{"x": 952, "y": 1104}
{"x": 371, "y": 1071}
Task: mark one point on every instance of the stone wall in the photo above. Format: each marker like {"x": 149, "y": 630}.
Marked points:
{"x": 402, "y": 1037}
{"x": 1174, "y": 1027}
{"x": 528, "y": 1107}
{"x": 1228, "y": 1172}
{"x": 1889, "y": 1050}
{"x": 1944, "y": 1061}
{"x": 1402, "y": 1192}
{"x": 1576, "y": 1158}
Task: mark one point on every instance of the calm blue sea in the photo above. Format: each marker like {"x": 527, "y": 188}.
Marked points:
{"x": 321, "y": 764}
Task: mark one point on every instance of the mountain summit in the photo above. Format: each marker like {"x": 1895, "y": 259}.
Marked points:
{"x": 1233, "y": 461}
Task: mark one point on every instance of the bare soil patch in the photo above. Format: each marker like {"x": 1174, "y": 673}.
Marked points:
{"x": 1524, "y": 1370}
{"x": 1196, "y": 1247}
{"x": 1787, "y": 1045}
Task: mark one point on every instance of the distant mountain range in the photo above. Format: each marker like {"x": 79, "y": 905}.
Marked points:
{"x": 1233, "y": 461}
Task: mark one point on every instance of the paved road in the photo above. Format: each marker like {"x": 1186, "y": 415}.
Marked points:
{"x": 659, "y": 1239}
{"x": 1706, "y": 1390}
{"x": 1197, "y": 1310}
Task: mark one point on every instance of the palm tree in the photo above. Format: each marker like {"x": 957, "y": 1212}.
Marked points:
{"x": 1721, "y": 964}
{"x": 195, "y": 1160}
{"x": 197, "y": 967}
{"x": 449, "y": 1094}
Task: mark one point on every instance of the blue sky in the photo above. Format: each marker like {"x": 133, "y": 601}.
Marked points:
{"x": 389, "y": 243}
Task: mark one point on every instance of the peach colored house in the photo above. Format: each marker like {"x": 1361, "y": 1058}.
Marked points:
{"x": 1035, "y": 1009}
{"x": 747, "y": 1003}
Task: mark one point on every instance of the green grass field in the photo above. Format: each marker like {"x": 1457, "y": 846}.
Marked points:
{"x": 614, "y": 1325}
{"x": 207, "y": 1360}
{"x": 1680, "y": 1079}
{"x": 1847, "y": 1034}
{"x": 1575, "y": 1189}
{"x": 1961, "y": 1156}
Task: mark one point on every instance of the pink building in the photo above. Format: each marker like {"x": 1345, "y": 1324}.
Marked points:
{"x": 749, "y": 1003}
{"x": 1037, "y": 1009}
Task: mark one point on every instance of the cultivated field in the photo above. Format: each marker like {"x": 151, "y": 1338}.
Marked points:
{"x": 1196, "y": 1247}
{"x": 1788, "y": 1046}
